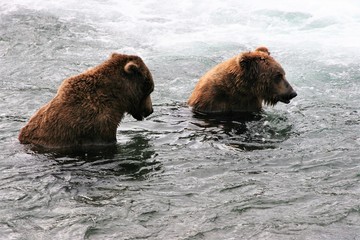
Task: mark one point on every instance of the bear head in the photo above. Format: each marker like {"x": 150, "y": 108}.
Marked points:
{"x": 265, "y": 77}
{"x": 138, "y": 87}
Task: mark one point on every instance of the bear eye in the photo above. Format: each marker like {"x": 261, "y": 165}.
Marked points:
{"x": 148, "y": 87}
{"x": 278, "y": 78}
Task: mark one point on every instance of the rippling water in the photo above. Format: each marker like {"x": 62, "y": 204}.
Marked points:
{"x": 293, "y": 173}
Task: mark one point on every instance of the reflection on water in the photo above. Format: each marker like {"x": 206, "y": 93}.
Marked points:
{"x": 134, "y": 159}
{"x": 174, "y": 125}
{"x": 254, "y": 132}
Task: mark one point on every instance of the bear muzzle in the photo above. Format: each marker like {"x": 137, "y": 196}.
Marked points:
{"x": 148, "y": 112}
{"x": 285, "y": 98}
{"x": 143, "y": 110}
{"x": 143, "y": 114}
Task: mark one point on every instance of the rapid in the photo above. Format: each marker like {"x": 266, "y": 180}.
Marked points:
{"x": 292, "y": 174}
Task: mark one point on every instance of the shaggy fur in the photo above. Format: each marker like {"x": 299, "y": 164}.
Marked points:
{"x": 88, "y": 107}
{"x": 241, "y": 85}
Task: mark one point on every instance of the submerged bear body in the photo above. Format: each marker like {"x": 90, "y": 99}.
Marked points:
{"x": 88, "y": 108}
{"x": 241, "y": 85}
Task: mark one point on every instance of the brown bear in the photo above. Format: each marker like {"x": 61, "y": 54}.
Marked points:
{"x": 88, "y": 107}
{"x": 241, "y": 85}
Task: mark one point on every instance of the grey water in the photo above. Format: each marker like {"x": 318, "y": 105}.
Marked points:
{"x": 293, "y": 173}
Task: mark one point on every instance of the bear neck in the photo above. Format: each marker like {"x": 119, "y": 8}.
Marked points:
{"x": 243, "y": 97}
{"x": 117, "y": 89}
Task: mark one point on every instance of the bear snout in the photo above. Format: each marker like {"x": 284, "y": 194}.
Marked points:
{"x": 292, "y": 95}
{"x": 148, "y": 112}
{"x": 287, "y": 97}
{"x": 140, "y": 115}
{"x": 137, "y": 116}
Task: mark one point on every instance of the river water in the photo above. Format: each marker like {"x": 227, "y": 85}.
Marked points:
{"x": 293, "y": 173}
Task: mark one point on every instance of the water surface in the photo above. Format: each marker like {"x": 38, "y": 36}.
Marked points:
{"x": 293, "y": 173}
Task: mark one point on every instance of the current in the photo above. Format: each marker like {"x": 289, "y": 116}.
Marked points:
{"x": 294, "y": 173}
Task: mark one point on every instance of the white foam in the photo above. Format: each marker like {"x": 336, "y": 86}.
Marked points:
{"x": 327, "y": 27}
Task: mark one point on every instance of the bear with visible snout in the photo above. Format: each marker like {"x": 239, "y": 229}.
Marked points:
{"x": 241, "y": 85}
{"x": 88, "y": 108}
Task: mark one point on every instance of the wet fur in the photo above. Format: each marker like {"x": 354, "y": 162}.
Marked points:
{"x": 240, "y": 84}
{"x": 88, "y": 108}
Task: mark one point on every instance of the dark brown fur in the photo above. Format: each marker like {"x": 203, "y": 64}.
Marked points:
{"x": 88, "y": 107}
{"x": 242, "y": 84}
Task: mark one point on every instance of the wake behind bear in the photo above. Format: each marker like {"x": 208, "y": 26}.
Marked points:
{"x": 88, "y": 108}
{"x": 241, "y": 85}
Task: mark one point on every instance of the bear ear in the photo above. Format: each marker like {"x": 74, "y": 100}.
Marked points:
{"x": 131, "y": 68}
{"x": 247, "y": 60}
{"x": 113, "y": 55}
{"x": 263, "y": 49}
{"x": 249, "y": 65}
